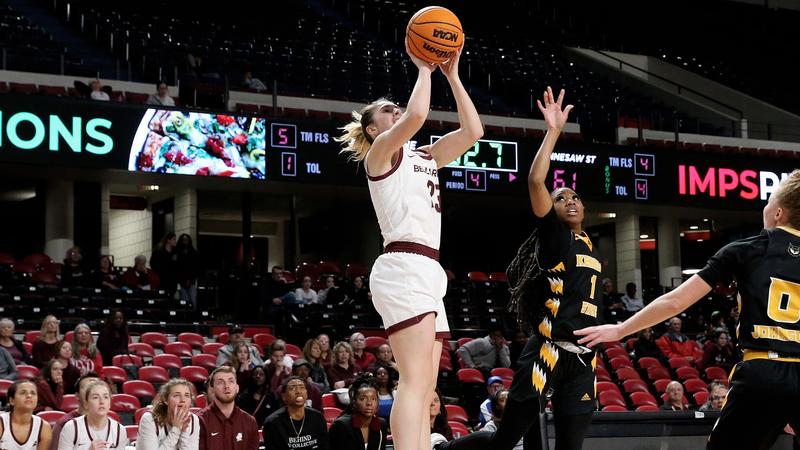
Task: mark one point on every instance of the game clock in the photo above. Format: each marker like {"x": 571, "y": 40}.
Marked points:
{"x": 489, "y": 165}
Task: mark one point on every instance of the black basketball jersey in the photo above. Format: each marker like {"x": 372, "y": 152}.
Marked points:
{"x": 566, "y": 297}
{"x": 767, "y": 270}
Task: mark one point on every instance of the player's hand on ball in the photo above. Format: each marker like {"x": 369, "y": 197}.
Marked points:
{"x": 450, "y": 67}
{"x": 599, "y": 334}
{"x": 421, "y": 65}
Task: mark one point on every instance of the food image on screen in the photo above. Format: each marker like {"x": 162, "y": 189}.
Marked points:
{"x": 191, "y": 143}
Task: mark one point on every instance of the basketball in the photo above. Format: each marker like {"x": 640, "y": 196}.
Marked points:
{"x": 434, "y": 34}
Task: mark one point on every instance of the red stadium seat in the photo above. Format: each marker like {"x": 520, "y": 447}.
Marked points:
{"x": 502, "y": 372}
{"x": 607, "y": 386}
{"x": 678, "y": 362}
{"x": 261, "y": 340}
{"x": 617, "y": 363}
{"x": 329, "y": 401}
{"x": 38, "y": 259}
{"x": 153, "y": 374}
{"x": 6, "y": 259}
{"x": 142, "y": 349}
{"x": 477, "y": 277}
{"x": 627, "y": 373}
{"x": 139, "y": 413}
{"x": 498, "y": 277}
{"x": 328, "y": 268}
{"x": 647, "y": 407}
{"x": 714, "y": 373}
{"x": 139, "y": 389}
{"x": 132, "y": 431}
{"x": 26, "y": 372}
{"x": 209, "y": 362}
{"x": 643, "y": 398}
{"x": 200, "y": 401}
{"x": 115, "y": 374}
{"x": 125, "y": 403}
{"x": 356, "y": 270}
{"x": 54, "y": 268}
{"x": 24, "y": 268}
{"x": 168, "y": 361}
{"x": 614, "y": 408}
{"x": 456, "y": 413}
{"x": 155, "y": 339}
{"x": 69, "y": 402}
{"x": 180, "y": 349}
{"x": 700, "y": 397}
{"x": 470, "y": 376}
{"x": 223, "y": 337}
{"x": 462, "y": 341}
{"x": 194, "y": 374}
{"x": 445, "y": 365}
{"x": 294, "y": 351}
{"x": 602, "y": 374}
{"x": 193, "y": 339}
{"x": 32, "y": 336}
{"x": 609, "y": 397}
{"x": 331, "y": 413}
{"x": 127, "y": 360}
{"x": 458, "y": 428}
{"x": 693, "y": 385}
{"x": 608, "y": 345}
{"x": 51, "y": 417}
{"x": 658, "y": 373}
{"x": 306, "y": 270}
{"x": 4, "y": 385}
{"x": 647, "y": 362}
{"x": 28, "y": 347}
{"x": 631, "y": 386}
{"x": 629, "y": 343}
{"x": 684, "y": 373}
{"x": 664, "y": 398}
{"x": 373, "y": 342}
{"x": 661, "y": 385}
{"x": 617, "y": 352}
{"x": 212, "y": 348}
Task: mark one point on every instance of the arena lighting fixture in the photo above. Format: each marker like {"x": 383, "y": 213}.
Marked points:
{"x": 700, "y": 240}
{"x": 705, "y": 220}
{"x": 609, "y": 215}
{"x": 690, "y": 271}
{"x": 149, "y": 187}
{"x": 644, "y": 236}
{"x": 694, "y": 227}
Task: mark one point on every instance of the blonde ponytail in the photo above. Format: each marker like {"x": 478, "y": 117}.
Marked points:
{"x": 355, "y": 138}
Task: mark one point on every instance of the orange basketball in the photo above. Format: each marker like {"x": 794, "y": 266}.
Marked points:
{"x": 434, "y": 34}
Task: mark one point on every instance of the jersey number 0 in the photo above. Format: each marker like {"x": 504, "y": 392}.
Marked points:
{"x": 784, "y": 301}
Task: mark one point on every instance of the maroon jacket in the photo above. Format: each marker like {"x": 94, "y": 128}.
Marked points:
{"x": 237, "y": 432}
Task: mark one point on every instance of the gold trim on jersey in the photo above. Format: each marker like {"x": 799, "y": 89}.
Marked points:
{"x": 545, "y": 328}
{"x": 549, "y": 354}
{"x": 552, "y": 304}
{"x": 556, "y": 285}
{"x": 588, "y": 261}
{"x": 759, "y": 354}
{"x": 558, "y": 268}
{"x": 538, "y": 378}
{"x": 775, "y": 333}
{"x": 585, "y": 238}
{"x": 790, "y": 230}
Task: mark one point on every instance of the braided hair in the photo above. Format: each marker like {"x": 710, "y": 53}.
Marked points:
{"x": 522, "y": 273}
{"x": 363, "y": 380}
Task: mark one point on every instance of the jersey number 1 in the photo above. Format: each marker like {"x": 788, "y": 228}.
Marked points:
{"x": 784, "y": 301}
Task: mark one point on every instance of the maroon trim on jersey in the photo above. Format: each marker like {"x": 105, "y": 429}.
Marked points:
{"x": 442, "y": 335}
{"x": 423, "y": 154}
{"x": 391, "y": 171}
{"x": 408, "y": 322}
{"x": 412, "y": 247}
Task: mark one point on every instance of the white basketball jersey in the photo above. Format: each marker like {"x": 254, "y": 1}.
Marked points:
{"x": 407, "y": 200}
{"x": 9, "y": 442}
{"x": 113, "y": 433}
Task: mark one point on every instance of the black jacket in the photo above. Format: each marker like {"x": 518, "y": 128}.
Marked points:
{"x": 345, "y": 436}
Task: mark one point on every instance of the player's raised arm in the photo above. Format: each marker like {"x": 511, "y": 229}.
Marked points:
{"x": 555, "y": 118}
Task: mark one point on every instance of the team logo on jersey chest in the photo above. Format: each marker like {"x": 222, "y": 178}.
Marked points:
{"x": 794, "y": 250}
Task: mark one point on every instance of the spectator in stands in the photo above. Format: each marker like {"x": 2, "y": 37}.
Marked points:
{"x": 96, "y": 422}
{"x": 271, "y": 294}
{"x": 69, "y": 372}
{"x": 363, "y": 358}
{"x": 287, "y": 360}
{"x": 630, "y": 300}
{"x": 486, "y": 353}
{"x": 165, "y": 262}
{"x": 276, "y": 369}
{"x": 50, "y": 386}
{"x": 386, "y": 391}
{"x": 312, "y": 352}
{"x": 516, "y": 347}
{"x": 360, "y": 427}
{"x": 612, "y": 303}
{"x": 645, "y": 345}
{"x": 385, "y": 358}
{"x": 304, "y": 295}
{"x": 674, "y": 398}
{"x": 19, "y": 421}
{"x": 73, "y": 273}
{"x": 85, "y": 355}
{"x": 331, "y": 293}
{"x": 80, "y": 387}
{"x": 256, "y": 399}
{"x": 8, "y": 369}
{"x": 236, "y": 335}
{"x": 170, "y": 425}
{"x": 716, "y": 398}
{"x": 498, "y": 404}
{"x": 343, "y": 370}
{"x": 440, "y": 428}
{"x": 674, "y": 343}
{"x": 302, "y": 369}
{"x": 241, "y": 363}
{"x": 11, "y": 344}
{"x": 96, "y": 91}
{"x": 139, "y": 276}
{"x": 359, "y": 294}
{"x": 45, "y": 347}
{"x": 224, "y": 418}
{"x": 104, "y": 276}
{"x": 493, "y": 386}
{"x": 327, "y": 355}
{"x": 253, "y": 83}
{"x": 188, "y": 269}
{"x": 295, "y": 425}
{"x": 113, "y": 339}
{"x": 161, "y": 97}
{"x": 719, "y": 352}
